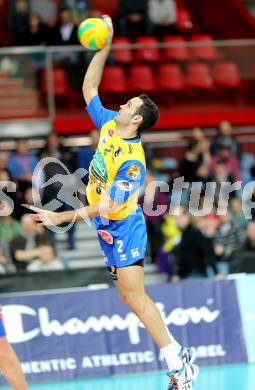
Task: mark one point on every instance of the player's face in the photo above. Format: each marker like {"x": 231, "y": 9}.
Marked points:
{"x": 127, "y": 112}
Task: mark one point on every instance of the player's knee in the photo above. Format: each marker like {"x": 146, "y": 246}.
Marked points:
{"x": 130, "y": 298}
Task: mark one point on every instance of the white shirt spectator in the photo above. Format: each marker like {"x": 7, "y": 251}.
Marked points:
{"x": 162, "y": 11}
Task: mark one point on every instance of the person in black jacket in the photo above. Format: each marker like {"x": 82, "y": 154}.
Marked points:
{"x": 193, "y": 254}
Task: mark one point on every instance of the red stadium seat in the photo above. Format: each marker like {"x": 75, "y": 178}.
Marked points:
{"x": 150, "y": 54}
{"x": 60, "y": 83}
{"x": 124, "y": 55}
{"x": 207, "y": 50}
{"x": 184, "y": 21}
{"x": 199, "y": 76}
{"x": 170, "y": 78}
{"x": 178, "y": 53}
{"x": 142, "y": 79}
{"x": 226, "y": 75}
{"x": 114, "y": 80}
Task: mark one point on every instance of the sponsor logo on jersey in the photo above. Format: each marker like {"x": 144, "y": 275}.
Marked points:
{"x": 133, "y": 171}
{"x": 124, "y": 185}
{"x": 106, "y": 236}
{"x": 111, "y": 132}
{"x": 135, "y": 252}
{"x": 98, "y": 166}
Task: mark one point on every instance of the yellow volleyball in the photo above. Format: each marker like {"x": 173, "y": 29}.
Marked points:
{"x": 93, "y": 33}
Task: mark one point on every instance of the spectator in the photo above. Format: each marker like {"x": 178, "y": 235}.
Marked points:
{"x": 162, "y": 15}
{"x": 18, "y": 11}
{"x": 24, "y": 247}
{"x": 9, "y": 227}
{"x": 193, "y": 254}
{"x": 220, "y": 176}
{"x": 151, "y": 201}
{"x": 65, "y": 164}
{"x": 46, "y": 9}
{"x": 4, "y": 158}
{"x": 46, "y": 261}
{"x": 198, "y": 134}
{"x": 35, "y": 34}
{"x": 225, "y": 157}
{"x": 80, "y": 9}
{"x": 237, "y": 216}
{"x": 28, "y": 195}
{"x": 228, "y": 238}
{"x": 65, "y": 32}
{"x": 225, "y": 136}
{"x": 85, "y": 153}
{"x": 243, "y": 259}
{"x": 195, "y": 162}
{"x": 22, "y": 163}
{"x": 133, "y": 17}
{"x": 3, "y": 261}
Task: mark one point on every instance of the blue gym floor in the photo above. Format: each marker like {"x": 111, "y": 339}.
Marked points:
{"x": 235, "y": 377}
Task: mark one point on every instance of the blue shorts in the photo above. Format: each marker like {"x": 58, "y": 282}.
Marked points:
{"x": 2, "y": 328}
{"x": 122, "y": 242}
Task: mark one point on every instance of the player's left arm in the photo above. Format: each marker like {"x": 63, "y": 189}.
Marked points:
{"x": 129, "y": 178}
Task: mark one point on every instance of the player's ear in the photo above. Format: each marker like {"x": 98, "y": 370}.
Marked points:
{"x": 137, "y": 119}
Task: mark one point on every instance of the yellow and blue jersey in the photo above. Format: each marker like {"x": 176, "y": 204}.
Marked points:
{"x": 118, "y": 166}
{"x": 117, "y": 171}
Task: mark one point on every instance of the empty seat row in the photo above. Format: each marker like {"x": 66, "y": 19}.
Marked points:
{"x": 142, "y": 78}
{"x": 175, "y": 49}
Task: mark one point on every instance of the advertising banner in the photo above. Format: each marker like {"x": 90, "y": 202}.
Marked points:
{"x": 82, "y": 333}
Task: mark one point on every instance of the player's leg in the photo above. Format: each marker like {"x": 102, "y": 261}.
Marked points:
{"x": 130, "y": 284}
{"x": 131, "y": 291}
{"x": 10, "y": 366}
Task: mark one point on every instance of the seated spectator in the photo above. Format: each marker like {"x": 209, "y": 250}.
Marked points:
{"x": 9, "y": 227}
{"x": 225, "y": 136}
{"x": 47, "y": 260}
{"x": 4, "y": 159}
{"x": 228, "y": 159}
{"x": 65, "y": 32}
{"x": 162, "y": 16}
{"x": 27, "y": 195}
{"x": 228, "y": 238}
{"x": 243, "y": 259}
{"x": 35, "y": 34}
{"x": 46, "y": 9}
{"x": 193, "y": 254}
{"x": 133, "y": 17}
{"x": 22, "y": 163}
{"x": 24, "y": 247}
{"x": 237, "y": 216}
{"x": 3, "y": 261}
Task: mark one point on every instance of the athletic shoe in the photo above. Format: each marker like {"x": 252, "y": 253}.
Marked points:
{"x": 183, "y": 379}
{"x": 188, "y": 355}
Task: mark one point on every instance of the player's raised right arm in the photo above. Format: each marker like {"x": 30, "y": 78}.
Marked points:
{"x": 95, "y": 69}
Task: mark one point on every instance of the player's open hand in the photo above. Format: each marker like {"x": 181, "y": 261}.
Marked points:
{"x": 46, "y": 217}
{"x": 108, "y": 20}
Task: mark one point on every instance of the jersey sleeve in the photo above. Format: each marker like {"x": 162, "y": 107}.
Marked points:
{"x": 129, "y": 178}
{"x": 98, "y": 113}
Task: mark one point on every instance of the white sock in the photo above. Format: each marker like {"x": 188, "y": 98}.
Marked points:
{"x": 171, "y": 357}
{"x": 175, "y": 343}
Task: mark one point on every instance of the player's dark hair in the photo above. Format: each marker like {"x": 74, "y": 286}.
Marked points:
{"x": 149, "y": 111}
